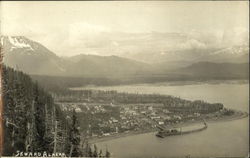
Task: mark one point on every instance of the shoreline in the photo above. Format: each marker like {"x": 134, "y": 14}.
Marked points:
{"x": 239, "y": 115}
{"x": 170, "y": 83}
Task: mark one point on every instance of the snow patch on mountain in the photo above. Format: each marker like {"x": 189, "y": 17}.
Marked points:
{"x": 237, "y": 50}
{"x": 18, "y": 43}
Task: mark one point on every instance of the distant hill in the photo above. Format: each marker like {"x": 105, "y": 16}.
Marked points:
{"x": 33, "y": 58}
{"x": 105, "y": 66}
{"x": 213, "y": 70}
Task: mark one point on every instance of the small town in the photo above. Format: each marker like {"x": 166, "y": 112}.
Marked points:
{"x": 99, "y": 120}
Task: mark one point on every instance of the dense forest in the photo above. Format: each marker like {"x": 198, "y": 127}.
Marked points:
{"x": 34, "y": 124}
{"x": 174, "y": 104}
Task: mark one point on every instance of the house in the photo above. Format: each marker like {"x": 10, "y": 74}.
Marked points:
{"x": 166, "y": 111}
{"x": 106, "y": 134}
{"x": 115, "y": 121}
{"x": 167, "y": 118}
{"x": 78, "y": 109}
{"x": 197, "y": 114}
{"x": 123, "y": 118}
{"x": 155, "y": 117}
{"x": 177, "y": 117}
{"x": 150, "y": 108}
{"x": 161, "y": 123}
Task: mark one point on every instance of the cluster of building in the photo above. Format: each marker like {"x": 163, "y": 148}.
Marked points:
{"x": 129, "y": 117}
{"x": 67, "y": 107}
{"x": 82, "y": 107}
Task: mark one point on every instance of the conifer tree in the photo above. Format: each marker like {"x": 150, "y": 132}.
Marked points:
{"x": 95, "y": 153}
{"x": 74, "y": 136}
{"x": 39, "y": 118}
{"x": 100, "y": 153}
{"x": 107, "y": 153}
{"x": 90, "y": 154}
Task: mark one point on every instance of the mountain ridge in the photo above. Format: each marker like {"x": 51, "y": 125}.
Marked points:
{"x": 34, "y": 58}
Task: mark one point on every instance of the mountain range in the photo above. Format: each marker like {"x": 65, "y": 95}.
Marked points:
{"x": 34, "y": 58}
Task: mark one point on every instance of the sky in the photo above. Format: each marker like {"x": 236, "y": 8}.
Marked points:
{"x": 70, "y": 28}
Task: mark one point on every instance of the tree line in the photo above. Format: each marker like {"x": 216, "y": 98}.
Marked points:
{"x": 174, "y": 104}
{"x": 33, "y": 123}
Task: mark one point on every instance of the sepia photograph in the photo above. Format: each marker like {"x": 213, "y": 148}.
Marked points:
{"x": 124, "y": 79}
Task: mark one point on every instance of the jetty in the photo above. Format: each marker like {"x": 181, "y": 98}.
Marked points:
{"x": 162, "y": 133}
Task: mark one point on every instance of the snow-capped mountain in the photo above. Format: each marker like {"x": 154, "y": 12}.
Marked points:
{"x": 15, "y": 42}
{"x": 30, "y": 56}
{"x": 33, "y": 58}
{"x": 236, "y": 50}
{"x": 233, "y": 54}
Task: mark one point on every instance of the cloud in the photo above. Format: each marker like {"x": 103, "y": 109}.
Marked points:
{"x": 89, "y": 38}
{"x": 83, "y": 29}
{"x": 192, "y": 44}
{"x": 235, "y": 36}
{"x": 81, "y": 37}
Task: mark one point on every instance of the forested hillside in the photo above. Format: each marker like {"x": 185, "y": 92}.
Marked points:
{"x": 34, "y": 125}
